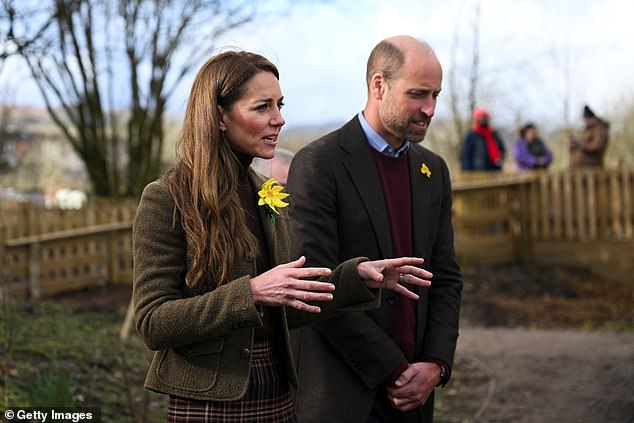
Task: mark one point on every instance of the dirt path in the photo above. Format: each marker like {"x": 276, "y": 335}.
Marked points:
{"x": 555, "y": 376}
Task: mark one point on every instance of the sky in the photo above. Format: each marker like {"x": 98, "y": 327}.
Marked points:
{"x": 534, "y": 55}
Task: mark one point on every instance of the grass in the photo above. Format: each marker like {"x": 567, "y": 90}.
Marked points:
{"x": 57, "y": 355}
{"x": 51, "y": 388}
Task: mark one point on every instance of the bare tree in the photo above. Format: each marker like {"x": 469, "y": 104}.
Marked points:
{"x": 454, "y": 89}
{"x": 106, "y": 69}
{"x": 475, "y": 61}
{"x": 620, "y": 151}
{"x": 5, "y": 119}
{"x": 459, "y": 96}
{"x": 6, "y": 110}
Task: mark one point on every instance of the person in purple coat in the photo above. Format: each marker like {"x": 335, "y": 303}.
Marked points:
{"x": 529, "y": 151}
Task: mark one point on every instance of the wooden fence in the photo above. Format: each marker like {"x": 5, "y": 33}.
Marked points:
{"x": 582, "y": 206}
{"x": 51, "y": 251}
{"x": 582, "y": 218}
{"x": 489, "y": 220}
{"x": 575, "y": 218}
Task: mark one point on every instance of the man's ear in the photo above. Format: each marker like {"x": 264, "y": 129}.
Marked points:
{"x": 221, "y": 119}
{"x": 377, "y": 86}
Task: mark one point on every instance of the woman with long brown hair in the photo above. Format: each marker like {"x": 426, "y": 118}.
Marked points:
{"x": 215, "y": 291}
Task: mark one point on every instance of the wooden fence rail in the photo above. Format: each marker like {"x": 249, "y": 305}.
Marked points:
{"x": 588, "y": 205}
{"x": 580, "y": 206}
{"x": 52, "y": 251}
{"x": 584, "y": 217}
{"x": 489, "y": 221}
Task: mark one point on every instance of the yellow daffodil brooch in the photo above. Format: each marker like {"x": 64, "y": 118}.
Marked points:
{"x": 271, "y": 196}
{"x": 425, "y": 170}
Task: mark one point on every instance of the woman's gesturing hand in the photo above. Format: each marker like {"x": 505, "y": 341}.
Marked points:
{"x": 393, "y": 273}
{"x": 285, "y": 285}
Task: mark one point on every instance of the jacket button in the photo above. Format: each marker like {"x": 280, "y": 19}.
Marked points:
{"x": 391, "y": 301}
{"x": 245, "y": 353}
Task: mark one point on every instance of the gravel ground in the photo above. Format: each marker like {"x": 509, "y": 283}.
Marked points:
{"x": 551, "y": 375}
{"x": 543, "y": 344}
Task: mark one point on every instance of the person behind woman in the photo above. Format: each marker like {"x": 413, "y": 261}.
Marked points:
{"x": 277, "y": 167}
{"x": 529, "y": 150}
{"x": 214, "y": 290}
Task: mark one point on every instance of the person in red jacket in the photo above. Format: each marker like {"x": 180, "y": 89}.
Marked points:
{"x": 483, "y": 149}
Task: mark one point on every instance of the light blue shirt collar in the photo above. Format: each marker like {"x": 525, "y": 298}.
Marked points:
{"x": 378, "y": 143}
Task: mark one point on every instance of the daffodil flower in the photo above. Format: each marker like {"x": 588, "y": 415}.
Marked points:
{"x": 271, "y": 196}
{"x": 425, "y": 170}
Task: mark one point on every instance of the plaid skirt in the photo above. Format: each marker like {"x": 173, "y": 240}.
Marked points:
{"x": 268, "y": 398}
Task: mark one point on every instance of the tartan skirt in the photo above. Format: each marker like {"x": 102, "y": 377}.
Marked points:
{"x": 268, "y": 398}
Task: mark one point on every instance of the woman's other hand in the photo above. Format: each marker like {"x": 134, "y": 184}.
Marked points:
{"x": 393, "y": 273}
{"x": 286, "y": 285}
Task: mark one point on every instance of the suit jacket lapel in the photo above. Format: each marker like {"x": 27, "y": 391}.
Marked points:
{"x": 421, "y": 186}
{"x": 362, "y": 169}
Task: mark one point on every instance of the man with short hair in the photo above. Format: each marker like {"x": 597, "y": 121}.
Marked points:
{"x": 369, "y": 189}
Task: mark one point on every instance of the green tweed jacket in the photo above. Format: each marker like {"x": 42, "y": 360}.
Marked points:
{"x": 203, "y": 337}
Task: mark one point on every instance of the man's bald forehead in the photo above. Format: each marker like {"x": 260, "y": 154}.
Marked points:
{"x": 389, "y": 56}
{"x": 407, "y": 43}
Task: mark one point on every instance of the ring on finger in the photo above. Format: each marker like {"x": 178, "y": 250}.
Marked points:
{"x": 401, "y": 277}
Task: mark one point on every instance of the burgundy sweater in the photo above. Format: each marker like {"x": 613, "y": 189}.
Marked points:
{"x": 394, "y": 175}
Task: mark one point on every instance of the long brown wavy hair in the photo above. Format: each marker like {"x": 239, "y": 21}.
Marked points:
{"x": 204, "y": 182}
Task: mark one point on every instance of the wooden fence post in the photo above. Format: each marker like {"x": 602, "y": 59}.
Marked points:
{"x": 34, "y": 270}
{"x": 111, "y": 253}
{"x": 128, "y": 321}
{"x": 628, "y": 193}
{"x": 524, "y": 242}
{"x": 4, "y": 289}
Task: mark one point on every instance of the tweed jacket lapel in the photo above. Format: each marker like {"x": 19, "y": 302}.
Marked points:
{"x": 276, "y": 234}
{"x": 279, "y": 248}
{"x": 365, "y": 177}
